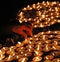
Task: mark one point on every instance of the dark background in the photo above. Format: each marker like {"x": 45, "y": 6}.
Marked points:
{"x": 9, "y": 9}
{"x": 8, "y": 13}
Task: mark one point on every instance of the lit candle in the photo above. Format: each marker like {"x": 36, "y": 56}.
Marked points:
{"x": 37, "y": 58}
{"x": 24, "y": 59}
{"x": 1, "y": 56}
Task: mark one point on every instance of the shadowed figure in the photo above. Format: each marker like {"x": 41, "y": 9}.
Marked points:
{"x": 15, "y": 32}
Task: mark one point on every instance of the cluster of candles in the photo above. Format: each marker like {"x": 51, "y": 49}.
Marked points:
{"x": 33, "y": 48}
{"x": 44, "y": 46}
{"x": 40, "y": 14}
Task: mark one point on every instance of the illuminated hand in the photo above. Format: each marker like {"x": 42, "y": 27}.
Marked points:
{"x": 23, "y": 30}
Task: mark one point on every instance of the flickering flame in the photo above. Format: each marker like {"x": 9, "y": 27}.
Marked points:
{"x": 48, "y": 14}
{"x": 38, "y": 43}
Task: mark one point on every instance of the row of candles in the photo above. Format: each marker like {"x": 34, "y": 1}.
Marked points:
{"x": 36, "y": 46}
{"x": 40, "y": 14}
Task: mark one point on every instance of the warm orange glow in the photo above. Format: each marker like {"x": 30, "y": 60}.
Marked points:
{"x": 44, "y": 11}
{"x": 20, "y": 30}
{"x": 41, "y": 47}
